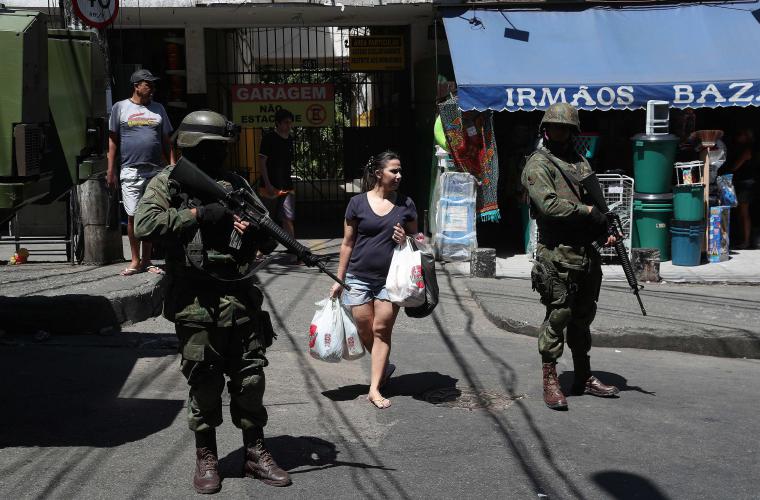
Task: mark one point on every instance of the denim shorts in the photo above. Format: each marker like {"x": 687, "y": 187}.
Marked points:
{"x": 363, "y": 291}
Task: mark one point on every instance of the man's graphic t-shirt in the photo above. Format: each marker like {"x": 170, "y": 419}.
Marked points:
{"x": 140, "y": 130}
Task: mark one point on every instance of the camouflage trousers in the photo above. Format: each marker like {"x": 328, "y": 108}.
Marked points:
{"x": 570, "y": 298}
{"x": 208, "y": 354}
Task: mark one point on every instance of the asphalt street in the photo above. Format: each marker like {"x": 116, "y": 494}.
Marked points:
{"x": 104, "y": 416}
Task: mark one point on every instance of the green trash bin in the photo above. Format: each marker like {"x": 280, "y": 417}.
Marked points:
{"x": 651, "y": 220}
{"x": 689, "y": 202}
{"x": 653, "y": 157}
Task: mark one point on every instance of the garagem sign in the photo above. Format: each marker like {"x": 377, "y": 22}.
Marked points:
{"x": 604, "y": 97}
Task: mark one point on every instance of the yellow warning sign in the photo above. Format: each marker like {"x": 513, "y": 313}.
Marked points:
{"x": 376, "y": 53}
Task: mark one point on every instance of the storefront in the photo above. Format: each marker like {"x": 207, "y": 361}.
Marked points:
{"x": 607, "y": 61}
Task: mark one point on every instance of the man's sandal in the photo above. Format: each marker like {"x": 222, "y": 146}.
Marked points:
{"x": 132, "y": 270}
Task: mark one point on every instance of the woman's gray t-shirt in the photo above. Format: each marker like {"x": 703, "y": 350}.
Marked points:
{"x": 373, "y": 247}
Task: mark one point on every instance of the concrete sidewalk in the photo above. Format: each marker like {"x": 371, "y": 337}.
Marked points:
{"x": 743, "y": 268}
{"x": 63, "y": 298}
{"x": 701, "y": 315}
{"x": 51, "y": 296}
{"x": 711, "y": 309}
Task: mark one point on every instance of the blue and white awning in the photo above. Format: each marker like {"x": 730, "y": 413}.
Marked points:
{"x": 693, "y": 56}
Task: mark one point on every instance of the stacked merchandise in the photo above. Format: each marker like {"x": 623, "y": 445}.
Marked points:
{"x": 688, "y": 225}
{"x": 717, "y": 248}
{"x": 455, "y": 237}
{"x": 470, "y": 140}
{"x": 721, "y": 195}
{"x": 653, "y": 156}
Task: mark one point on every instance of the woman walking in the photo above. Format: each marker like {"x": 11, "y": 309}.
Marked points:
{"x": 377, "y": 220}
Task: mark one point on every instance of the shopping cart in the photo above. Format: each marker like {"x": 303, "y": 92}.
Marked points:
{"x": 618, "y": 193}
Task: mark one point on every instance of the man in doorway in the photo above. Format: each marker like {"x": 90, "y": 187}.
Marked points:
{"x": 567, "y": 272}
{"x": 276, "y": 155}
{"x": 139, "y": 130}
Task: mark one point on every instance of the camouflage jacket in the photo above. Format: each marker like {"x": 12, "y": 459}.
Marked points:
{"x": 558, "y": 204}
{"x": 193, "y": 297}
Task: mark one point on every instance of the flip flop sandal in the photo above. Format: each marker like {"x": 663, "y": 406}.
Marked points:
{"x": 379, "y": 403}
{"x": 132, "y": 270}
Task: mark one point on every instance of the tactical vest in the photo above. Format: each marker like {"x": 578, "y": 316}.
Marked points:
{"x": 217, "y": 253}
{"x": 567, "y": 186}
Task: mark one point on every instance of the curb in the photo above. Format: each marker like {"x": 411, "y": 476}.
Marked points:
{"x": 82, "y": 313}
{"x": 145, "y": 304}
{"x": 745, "y": 344}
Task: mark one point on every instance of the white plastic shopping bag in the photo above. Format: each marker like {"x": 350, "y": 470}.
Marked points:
{"x": 405, "y": 284}
{"x": 352, "y": 343}
{"x": 326, "y": 332}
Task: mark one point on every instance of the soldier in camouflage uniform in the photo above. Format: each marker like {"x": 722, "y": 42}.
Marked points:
{"x": 212, "y": 301}
{"x": 567, "y": 272}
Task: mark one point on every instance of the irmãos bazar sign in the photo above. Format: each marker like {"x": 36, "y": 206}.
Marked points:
{"x": 603, "y": 97}
{"x": 312, "y": 104}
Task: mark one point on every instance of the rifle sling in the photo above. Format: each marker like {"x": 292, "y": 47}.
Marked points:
{"x": 567, "y": 174}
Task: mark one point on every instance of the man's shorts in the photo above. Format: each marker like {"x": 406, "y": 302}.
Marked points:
{"x": 363, "y": 291}
{"x": 286, "y": 209}
{"x": 134, "y": 180}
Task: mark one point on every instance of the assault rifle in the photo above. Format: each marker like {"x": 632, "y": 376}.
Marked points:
{"x": 244, "y": 204}
{"x": 615, "y": 228}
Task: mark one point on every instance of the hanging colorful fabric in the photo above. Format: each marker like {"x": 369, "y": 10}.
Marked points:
{"x": 473, "y": 147}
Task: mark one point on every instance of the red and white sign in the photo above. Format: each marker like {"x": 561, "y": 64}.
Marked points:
{"x": 96, "y": 13}
{"x": 312, "y": 104}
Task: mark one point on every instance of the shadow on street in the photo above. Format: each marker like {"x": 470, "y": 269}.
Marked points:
{"x": 626, "y": 486}
{"x": 411, "y": 384}
{"x": 93, "y": 313}
{"x": 293, "y": 452}
{"x": 66, "y": 395}
{"x": 566, "y": 381}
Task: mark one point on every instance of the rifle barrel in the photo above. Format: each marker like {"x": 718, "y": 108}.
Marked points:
{"x": 641, "y": 304}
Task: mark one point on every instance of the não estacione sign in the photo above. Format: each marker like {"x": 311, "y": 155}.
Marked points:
{"x": 312, "y": 104}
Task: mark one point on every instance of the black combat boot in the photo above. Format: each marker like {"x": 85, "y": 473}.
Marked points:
{"x": 585, "y": 383}
{"x": 553, "y": 396}
{"x": 259, "y": 463}
{"x": 206, "y": 479}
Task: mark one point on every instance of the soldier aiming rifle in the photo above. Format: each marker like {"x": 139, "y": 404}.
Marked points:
{"x": 212, "y": 224}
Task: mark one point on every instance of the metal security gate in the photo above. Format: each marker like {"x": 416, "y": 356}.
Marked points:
{"x": 372, "y": 110}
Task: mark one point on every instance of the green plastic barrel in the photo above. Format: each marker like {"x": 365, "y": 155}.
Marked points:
{"x": 688, "y": 202}
{"x": 651, "y": 218}
{"x": 653, "y": 157}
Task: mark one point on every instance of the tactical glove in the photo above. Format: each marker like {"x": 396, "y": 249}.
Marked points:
{"x": 598, "y": 219}
{"x": 599, "y": 222}
{"x": 213, "y": 213}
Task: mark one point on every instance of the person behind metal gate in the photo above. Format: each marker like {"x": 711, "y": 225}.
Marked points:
{"x": 376, "y": 221}
{"x": 567, "y": 269}
{"x": 276, "y": 157}
{"x": 212, "y": 301}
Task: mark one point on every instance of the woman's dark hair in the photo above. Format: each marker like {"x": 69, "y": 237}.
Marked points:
{"x": 375, "y": 163}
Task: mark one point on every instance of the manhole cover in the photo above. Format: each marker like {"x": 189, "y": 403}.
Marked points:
{"x": 469, "y": 398}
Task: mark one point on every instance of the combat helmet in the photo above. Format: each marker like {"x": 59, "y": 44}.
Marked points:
{"x": 563, "y": 114}
{"x": 204, "y": 126}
